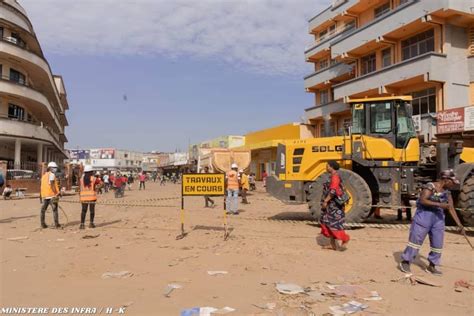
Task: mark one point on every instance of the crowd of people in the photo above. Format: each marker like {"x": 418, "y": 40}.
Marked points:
{"x": 429, "y": 220}
{"x": 90, "y": 184}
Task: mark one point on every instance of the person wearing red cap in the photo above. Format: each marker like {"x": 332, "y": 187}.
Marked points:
{"x": 435, "y": 198}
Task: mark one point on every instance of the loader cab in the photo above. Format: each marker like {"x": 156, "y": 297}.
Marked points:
{"x": 387, "y": 117}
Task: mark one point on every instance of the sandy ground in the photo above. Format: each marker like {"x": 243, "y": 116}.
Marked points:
{"x": 59, "y": 268}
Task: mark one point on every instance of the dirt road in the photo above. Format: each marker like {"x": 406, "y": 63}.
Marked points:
{"x": 60, "y": 268}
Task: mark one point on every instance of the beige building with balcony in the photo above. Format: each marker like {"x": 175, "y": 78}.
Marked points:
{"x": 368, "y": 48}
{"x": 33, "y": 101}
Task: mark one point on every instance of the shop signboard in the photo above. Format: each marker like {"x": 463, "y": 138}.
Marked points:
{"x": 95, "y": 153}
{"x": 76, "y": 154}
{"x": 450, "y": 121}
{"x": 107, "y": 153}
{"x": 469, "y": 118}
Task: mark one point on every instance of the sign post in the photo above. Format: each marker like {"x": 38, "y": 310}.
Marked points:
{"x": 202, "y": 184}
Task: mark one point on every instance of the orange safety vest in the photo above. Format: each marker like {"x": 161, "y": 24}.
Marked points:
{"x": 232, "y": 180}
{"x": 46, "y": 191}
{"x": 87, "y": 194}
{"x": 244, "y": 181}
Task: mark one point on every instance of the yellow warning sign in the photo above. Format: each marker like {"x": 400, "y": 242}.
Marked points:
{"x": 201, "y": 184}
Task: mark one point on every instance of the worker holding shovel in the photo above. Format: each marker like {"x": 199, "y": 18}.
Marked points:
{"x": 435, "y": 198}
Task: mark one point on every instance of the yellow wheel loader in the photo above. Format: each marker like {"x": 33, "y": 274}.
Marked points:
{"x": 382, "y": 162}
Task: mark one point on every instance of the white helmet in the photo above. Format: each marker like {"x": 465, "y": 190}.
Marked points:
{"x": 88, "y": 168}
{"x": 52, "y": 164}
{"x": 234, "y": 166}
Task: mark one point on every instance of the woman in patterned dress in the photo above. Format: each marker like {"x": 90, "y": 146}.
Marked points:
{"x": 332, "y": 212}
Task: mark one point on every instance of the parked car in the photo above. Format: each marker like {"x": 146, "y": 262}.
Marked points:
{"x": 17, "y": 174}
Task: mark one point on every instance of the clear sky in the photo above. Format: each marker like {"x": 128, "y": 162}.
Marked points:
{"x": 158, "y": 74}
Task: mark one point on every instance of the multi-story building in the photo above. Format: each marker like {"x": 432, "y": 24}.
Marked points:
{"x": 173, "y": 163}
{"x": 33, "y": 101}
{"x": 367, "y": 48}
{"x": 230, "y": 141}
{"x": 107, "y": 158}
{"x": 150, "y": 161}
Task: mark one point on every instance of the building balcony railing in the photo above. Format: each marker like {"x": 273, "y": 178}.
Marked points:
{"x": 324, "y": 110}
{"x": 26, "y": 129}
{"x": 432, "y": 65}
{"x": 23, "y": 82}
{"x": 23, "y": 90}
{"x": 327, "y": 74}
{"x": 384, "y": 24}
{"x": 325, "y": 42}
{"x": 338, "y": 7}
{"x": 19, "y": 81}
{"x": 32, "y": 57}
{"x": 15, "y": 41}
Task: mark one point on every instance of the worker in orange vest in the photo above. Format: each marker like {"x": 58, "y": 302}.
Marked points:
{"x": 88, "y": 196}
{"x": 232, "y": 186}
{"x": 50, "y": 194}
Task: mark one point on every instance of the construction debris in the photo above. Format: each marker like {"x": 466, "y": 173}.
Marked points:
{"x": 348, "y": 308}
{"x": 289, "y": 288}
{"x": 416, "y": 279}
{"x": 216, "y": 272}
{"x": 18, "y": 238}
{"x": 170, "y": 288}
{"x": 374, "y": 296}
{"x": 349, "y": 290}
{"x": 117, "y": 275}
{"x": 460, "y": 285}
{"x": 206, "y": 311}
{"x": 267, "y": 306}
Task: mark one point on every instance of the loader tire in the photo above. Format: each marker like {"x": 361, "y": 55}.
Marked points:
{"x": 466, "y": 202}
{"x": 359, "y": 205}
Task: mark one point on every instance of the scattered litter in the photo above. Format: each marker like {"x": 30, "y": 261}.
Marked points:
{"x": 460, "y": 285}
{"x": 316, "y": 296}
{"x": 415, "y": 279}
{"x": 374, "y": 296}
{"x": 289, "y": 288}
{"x": 330, "y": 286}
{"x": 170, "y": 288}
{"x": 118, "y": 275}
{"x": 31, "y": 256}
{"x": 425, "y": 281}
{"x": 178, "y": 260}
{"x": 60, "y": 239}
{"x": 127, "y": 304}
{"x": 196, "y": 311}
{"x": 216, "y": 272}
{"x": 206, "y": 311}
{"x": 70, "y": 247}
{"x": 267, "y": 306}
{"x": 224, "y": 310}
{"x": 348, "y": 308}
{"x": 349, "y": 290}
{"x": 90, "y": 236}
{"x": 18, "y": 238}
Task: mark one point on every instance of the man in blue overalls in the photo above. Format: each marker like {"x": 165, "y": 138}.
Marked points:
{"x": 434, "y": 199}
